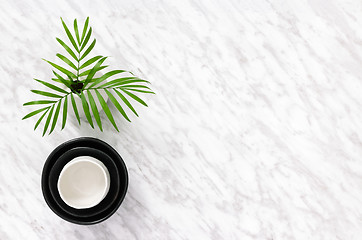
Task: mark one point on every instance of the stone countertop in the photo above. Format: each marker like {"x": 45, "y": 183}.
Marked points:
{"x": 255, "y": 131}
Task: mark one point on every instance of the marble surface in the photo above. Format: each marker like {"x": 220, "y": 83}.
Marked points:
{"x": 255, "y": 131}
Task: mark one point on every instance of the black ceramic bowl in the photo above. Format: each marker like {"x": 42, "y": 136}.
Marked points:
{"x": 113, "y": 173}
{"x": 94, "y": 144}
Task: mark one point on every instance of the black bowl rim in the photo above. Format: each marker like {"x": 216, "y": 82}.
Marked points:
{"x": 69, "y": 145}
{"x": 105, "y": 203}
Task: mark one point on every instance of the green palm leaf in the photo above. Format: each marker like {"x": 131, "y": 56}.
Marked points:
{"x": 41, "y": 118}
{"x": 70, "y": 36}
{"x": 85, "y": 28}
{"x": 116, "y": 104}
{"x": 38, "y": 102}
{"x": 82, "y": 83}
{"x": 86, "y": 109}
{"x": 63, "y": 70}
{"x": 35, "y": 112}
{"x": 137, "y": 90}
{"x": 47, "y": 94}
{"x": 65, "y": 111}
{"x": 55, "y": 118}
{"x": 65, "y": 46}
{"x": 135, "y": 97}
{"x": 122, "y": 81}
{"x": 86, "y": 39}
{"x": 90, "y": 61}
{"x": 59, "y": 81}
{"x": 88, "y": 50}
{"x": 62, "y": 80}
{"x": 93, "y": 71}
{"x": 106, "y": 109}
{"x": 85, "y": 73}
{"x": 115, "y": 81}
{"x": 134, "y": 86}
{"x": 67, "y": 61}
{"x": 51, "y": 86}
{"x": 75, "y": 108}
{"x": 94, "y": 110}
{"x": 76, "y": 30}
{"x": 48, "y": 120}
{"x": 106, "y": 76}
{"x": 126, "y": 102}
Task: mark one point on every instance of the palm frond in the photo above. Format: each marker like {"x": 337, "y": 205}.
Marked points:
{"x": 75, "y": 109}
{"x": 46, "y": 94}
{"x": 70, "y": 36}
{"x": 86, "y": 39}
{"x": 122, "y": 81}
{"x": 55, "y": 118}
{"x": 93, "y": 71}
{"x": 90, "y": 61}
{"x": 35, "y": 112}
{"x": 126, "y": 102}
{"x": 63, "y": 70}
{"x": 65, "y": 111}
{"x": 95, "y": 110}
{"x": 84, "y": 29}
{"x": 137, "y": 90}
{"x": 88, "y": 50}
{"x": 75, "y": 24}
{"x": 41, "y": 118}
{"x": 86, "y": 73}
{"x": 68, "y": 49}
{"x": 106, "y": 109}
{"x": 86, "y": 109}
{"x": 117, "y": 105}
{"x": 135, "y": 97}
{"x": 51, "y": 86}
{"x": 106, "y": 76}
{"x": 48, "y": 120}
{"x": 38, "y": 102}
{"x": 66, "y": 60}
{"x": 62, "y": 80}
{"x": 119, "y": 90}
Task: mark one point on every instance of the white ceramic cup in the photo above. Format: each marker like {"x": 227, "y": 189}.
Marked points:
{"x": 83, "y": 182}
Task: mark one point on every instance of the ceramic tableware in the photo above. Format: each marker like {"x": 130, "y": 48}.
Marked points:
{"x": 88, "y": 143}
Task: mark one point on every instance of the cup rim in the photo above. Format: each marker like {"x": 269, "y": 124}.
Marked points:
{"x": 95, "y": 162}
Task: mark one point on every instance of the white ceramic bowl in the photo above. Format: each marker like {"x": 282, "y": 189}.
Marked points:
{"x": 83, "y": 182}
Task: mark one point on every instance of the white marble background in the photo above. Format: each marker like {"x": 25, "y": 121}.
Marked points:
{"x": 255, "y": 131}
